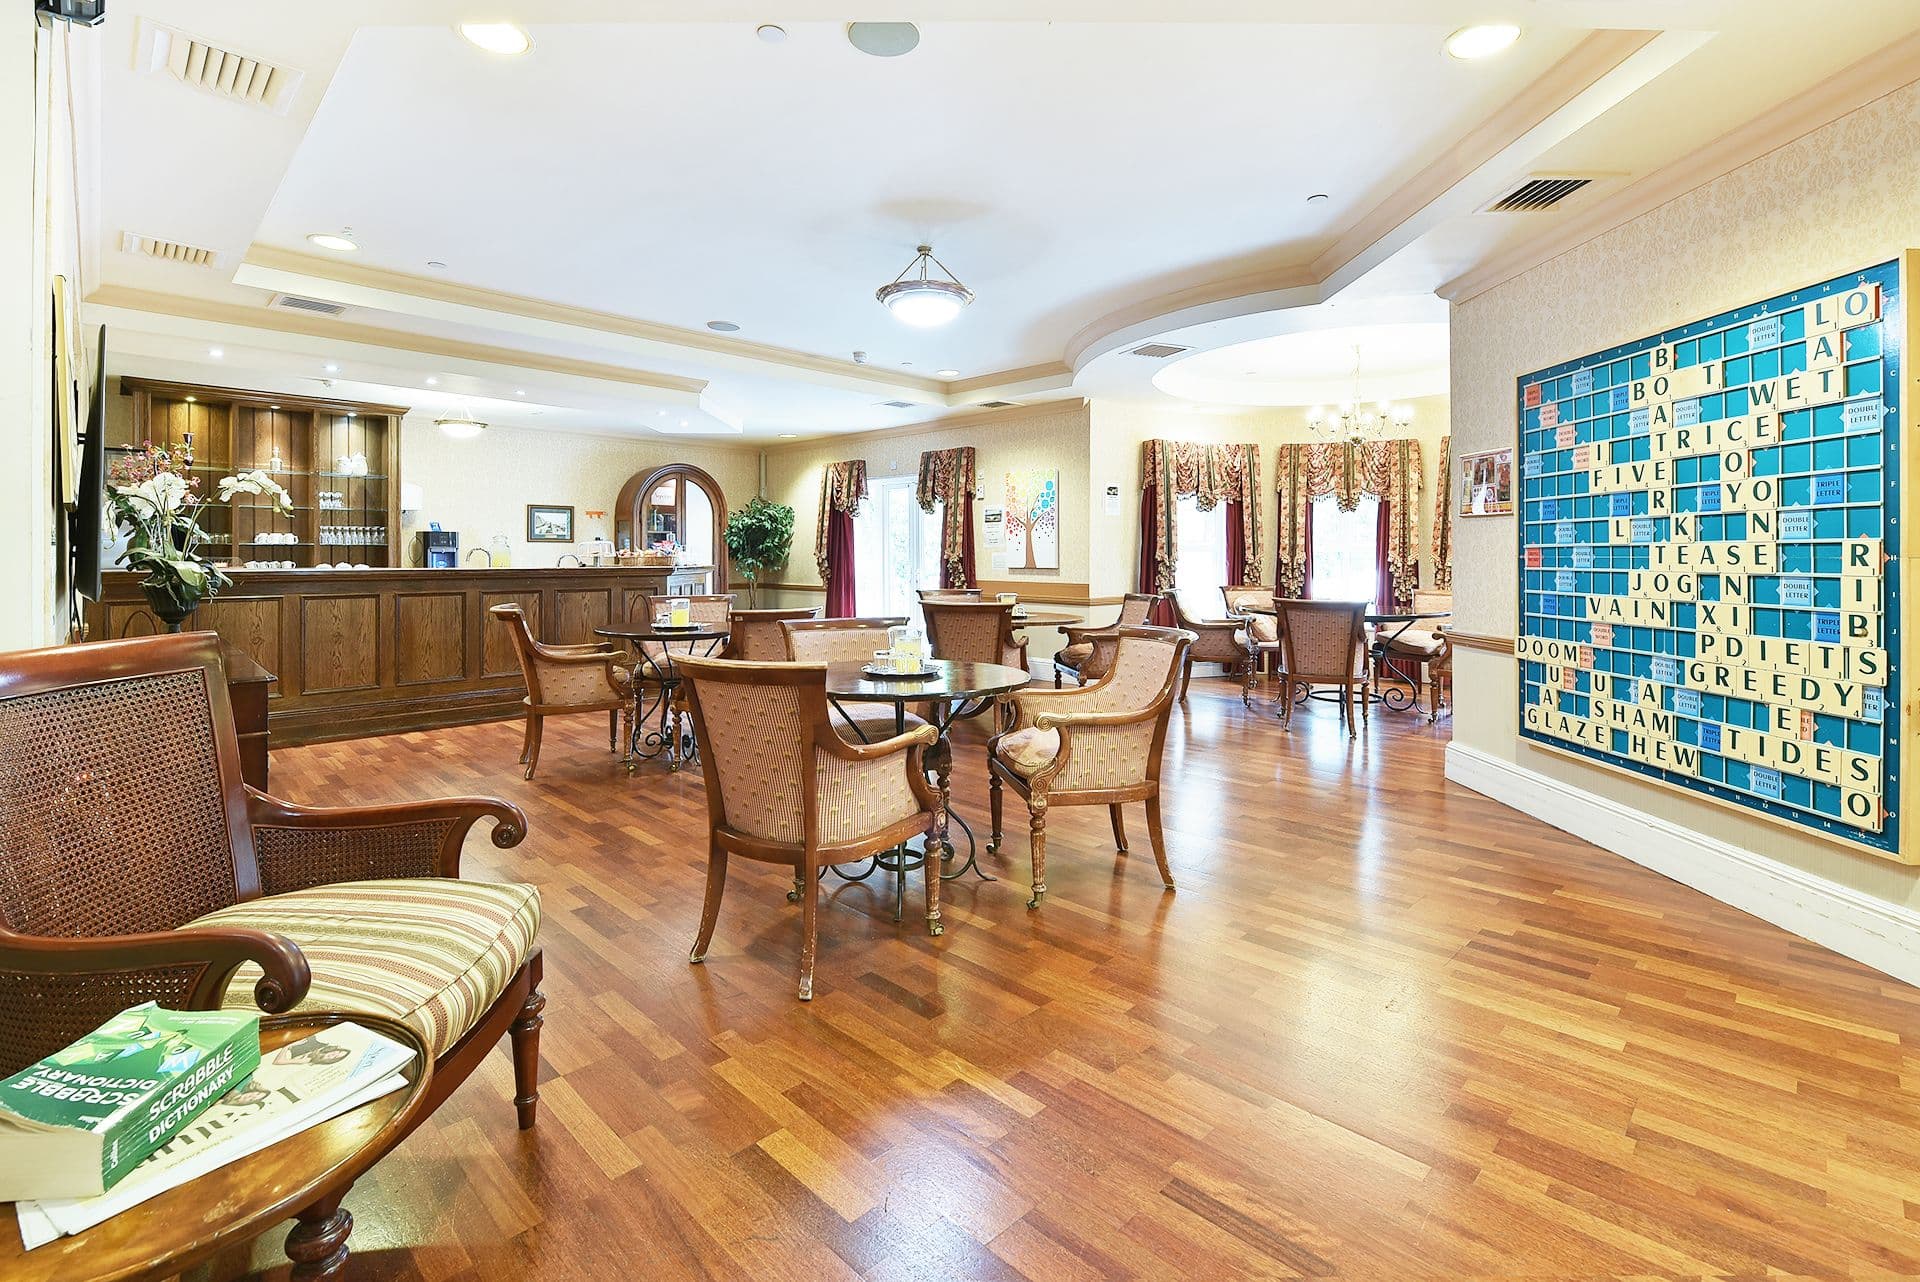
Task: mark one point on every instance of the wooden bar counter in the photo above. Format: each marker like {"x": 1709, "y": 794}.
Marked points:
{"x": 366, "y": 652}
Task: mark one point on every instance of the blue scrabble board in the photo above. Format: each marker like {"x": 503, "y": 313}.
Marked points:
{"x": 1709, "y": 595}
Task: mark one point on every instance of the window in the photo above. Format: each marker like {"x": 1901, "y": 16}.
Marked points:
{"x": 1345, "y": 552}
{"x": 1200, "y": 565}
{"x": 896, "y": 550}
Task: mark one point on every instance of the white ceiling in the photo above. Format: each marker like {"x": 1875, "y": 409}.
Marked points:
{"x": 1315, "y": 367}
{"x": 1097, "y": 173}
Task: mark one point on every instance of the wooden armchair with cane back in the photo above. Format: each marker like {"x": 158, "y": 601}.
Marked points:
{"x": 564, "y": 679}
{"x": 1259, "y": 634}
{"x": 1080, "y": 658}
{"x": 1324, "y": 643}
{"x": 1097, "y": 744}
{"x": 785, "y": 786}
{"x": 756, "y": 636}
{"x": 135, "y": 865}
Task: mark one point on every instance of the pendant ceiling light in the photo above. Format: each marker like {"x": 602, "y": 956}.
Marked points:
{"x": 460, "y": 425}
{"x": 919, "y": 298}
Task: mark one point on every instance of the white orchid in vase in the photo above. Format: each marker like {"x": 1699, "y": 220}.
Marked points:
{"x": 155, "y": 501}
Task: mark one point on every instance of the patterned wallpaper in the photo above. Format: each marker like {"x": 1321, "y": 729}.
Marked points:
{"x": 1842, "y": 197}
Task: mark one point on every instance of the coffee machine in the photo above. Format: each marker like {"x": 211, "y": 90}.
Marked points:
{"x": 438, "y": 549}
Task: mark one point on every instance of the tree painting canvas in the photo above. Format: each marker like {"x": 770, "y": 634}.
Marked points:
{"x": 1033, "y": 519}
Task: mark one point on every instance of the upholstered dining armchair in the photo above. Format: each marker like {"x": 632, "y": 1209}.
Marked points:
{"x": 973, "y": 631}
{"x": 848, "y": 641}
{"x": 1097, "y": 744}
{"x": 563, "y": 679}
{"x": 713, "y": 608}
{"x": 1214, "y": 641}
{"x": 1259, "y": 634}
{"x": 1324, "y": 643}
{"x": 755, "y": 635}
{"x": 785, "y": 787}
{"x": 1080, "y": 658}
{"x": 1426, "y": 646}
{"x": 136, "y": 865}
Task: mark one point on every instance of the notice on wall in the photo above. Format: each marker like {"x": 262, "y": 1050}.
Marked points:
{"x": 1710, "y": 564}
{"x": 1112, "y": 500}
{"x": 996, "y": 522}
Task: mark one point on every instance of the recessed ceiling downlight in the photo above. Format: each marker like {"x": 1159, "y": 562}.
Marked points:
{"x": 723, "y": 327}
{"x": 883, "y": 39}
{"x": 503, "y": 38}
{"x": 946, "y": 373}
{"x": 770, "y": 34}
{"x": 338, "y": 242}
{"x": 1482, "y": 41}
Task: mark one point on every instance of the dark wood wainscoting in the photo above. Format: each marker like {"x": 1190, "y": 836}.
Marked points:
{"x": 365, "y": 652}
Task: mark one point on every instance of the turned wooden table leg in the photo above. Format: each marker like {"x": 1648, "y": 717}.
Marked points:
{"x": 317, "y": 1245}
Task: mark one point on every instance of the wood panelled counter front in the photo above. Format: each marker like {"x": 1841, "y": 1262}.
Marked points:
{"x": 366, "y": 652}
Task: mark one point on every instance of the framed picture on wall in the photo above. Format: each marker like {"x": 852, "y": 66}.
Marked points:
{"x": 549, "y": 523}
{"x": 1486, "y": 483}
{"x": 1031, "y": 520}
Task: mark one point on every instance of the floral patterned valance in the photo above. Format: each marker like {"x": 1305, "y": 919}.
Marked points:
{"x": 1211, "y": 473}
{"x": 843, "y": 487}
{"x": 947, "y": 478}
{"x": 1385, "y": 470}
{"x": 1443, "y": 520}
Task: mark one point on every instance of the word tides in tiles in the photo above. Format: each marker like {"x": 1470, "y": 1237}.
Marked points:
{"x": 1708, "y": 585}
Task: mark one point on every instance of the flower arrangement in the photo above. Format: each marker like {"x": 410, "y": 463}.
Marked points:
{"x": 155, "y": 501}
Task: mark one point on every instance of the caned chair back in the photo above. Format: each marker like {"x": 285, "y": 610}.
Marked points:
{"x": 1323, "y": 640}
{"x": 755, "y": 636}
{"x": 972, "y": 631}
{"x": 837, "y": 640}
{"x": 1135, "y": 608}
{"x": 709, "y": 607}
{"x": 551, "y": 685}
{"x": 755, "y": 725}
{"x": 122, "y": 808}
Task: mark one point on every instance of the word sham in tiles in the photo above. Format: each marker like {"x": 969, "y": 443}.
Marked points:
{"x": 1709, "y": 587}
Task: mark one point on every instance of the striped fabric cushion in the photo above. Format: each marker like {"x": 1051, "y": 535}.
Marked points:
{"x": 432, "y": 952}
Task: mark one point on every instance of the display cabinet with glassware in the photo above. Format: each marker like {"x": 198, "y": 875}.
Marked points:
{"x": 338, "y": 459}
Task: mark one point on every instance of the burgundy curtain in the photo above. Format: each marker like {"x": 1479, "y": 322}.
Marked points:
{"x": 1383, "y": 575}
{"x": 1162, "y": 615}
{"x": 1306, "y": 558}
{"x": 1236, "y": 544}
{"x": 840, "y": 604}
{"x": 966, "y": 551}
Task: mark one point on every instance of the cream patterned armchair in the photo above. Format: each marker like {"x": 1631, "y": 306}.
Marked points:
{"x": 973, "y": 631}
{"x": 563, "y": 679}
{"x": 712, "y": 608}
{"x": 1095, "y": 745}
{"x": 1080, "y": 658}
{"x": 1214, "y": 641}
{"x": 1425, "y": 646}
{"x": 785, "y": 787}
{"x": 1258, "y": 635}
{"x": 1324, "y": 643}
{"x": 848, "y": 641}
{"x": 756, "y": 635}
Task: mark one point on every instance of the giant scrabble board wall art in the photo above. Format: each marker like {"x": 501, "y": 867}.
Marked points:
{"x": 1710, "y": 561}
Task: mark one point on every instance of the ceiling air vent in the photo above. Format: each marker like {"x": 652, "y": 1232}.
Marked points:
{"x": 1537, "y": 194}
{"x": 898, "y": 405}
{"x": 227, "y": 72}
{"x": 1157, "y": 351}
{"x": 171, "y": 251}
{"x": 995, "y": 405}
{"x": 312, "y": 306}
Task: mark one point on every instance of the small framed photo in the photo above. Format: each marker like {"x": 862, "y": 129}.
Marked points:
{"x": 1486, "y": 483}
{"x": 549, "y": 523}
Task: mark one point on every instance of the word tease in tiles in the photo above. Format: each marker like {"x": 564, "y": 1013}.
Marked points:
{"x": 1709, "y": 573}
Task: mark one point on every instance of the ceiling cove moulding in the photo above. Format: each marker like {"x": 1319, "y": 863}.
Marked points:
{"x": 974, "y": 418}
{"x": 282, "y": 271}
{"x": 1603, "y": 70}
{"x": 1873, "y": 77}
{"x": 231, "y": 324}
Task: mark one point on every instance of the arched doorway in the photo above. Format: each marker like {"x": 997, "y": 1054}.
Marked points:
{"x": 679, "y": 502}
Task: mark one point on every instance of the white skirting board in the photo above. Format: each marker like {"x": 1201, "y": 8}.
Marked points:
{"x": 1872, "y": 931}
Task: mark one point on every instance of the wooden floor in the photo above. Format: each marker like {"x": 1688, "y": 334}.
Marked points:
{"x": 1385, "y": 1029}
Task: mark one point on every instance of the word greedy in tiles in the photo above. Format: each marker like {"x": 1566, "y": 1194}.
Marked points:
{"x": 1709, "y": 576}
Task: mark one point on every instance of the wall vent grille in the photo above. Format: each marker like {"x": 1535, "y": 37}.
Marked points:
{"x": 228, "y": 73}
{"x": 1157, "y": 351}
{"x": 171, "y": 251}
{"x": 898, "y": 405}
{"x": 1538, "y": 194}
{"x": 995, "y": 405}
{"x": 312, "y": 306}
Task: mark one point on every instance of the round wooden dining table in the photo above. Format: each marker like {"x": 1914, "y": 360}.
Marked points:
{"x": 951, "y": 689}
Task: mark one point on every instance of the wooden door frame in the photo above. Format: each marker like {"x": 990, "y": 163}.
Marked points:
{"x": 633, "y": 500}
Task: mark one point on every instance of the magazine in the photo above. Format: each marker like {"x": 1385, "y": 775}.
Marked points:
{"x": 297, "y": 1086}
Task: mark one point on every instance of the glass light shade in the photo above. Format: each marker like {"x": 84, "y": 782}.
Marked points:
{"x": 460, "y": 428}
{"x": 924, "y": 303}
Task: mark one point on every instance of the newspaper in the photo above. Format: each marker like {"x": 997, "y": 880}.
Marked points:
{"x": 296, "y": 1087}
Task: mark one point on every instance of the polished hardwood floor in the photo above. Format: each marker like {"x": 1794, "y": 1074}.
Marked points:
{"x": 1385, "y": 1029}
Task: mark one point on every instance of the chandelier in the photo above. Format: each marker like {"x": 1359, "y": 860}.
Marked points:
{"x": 923, "y": 299}
{"x": 1352, "y": 421}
